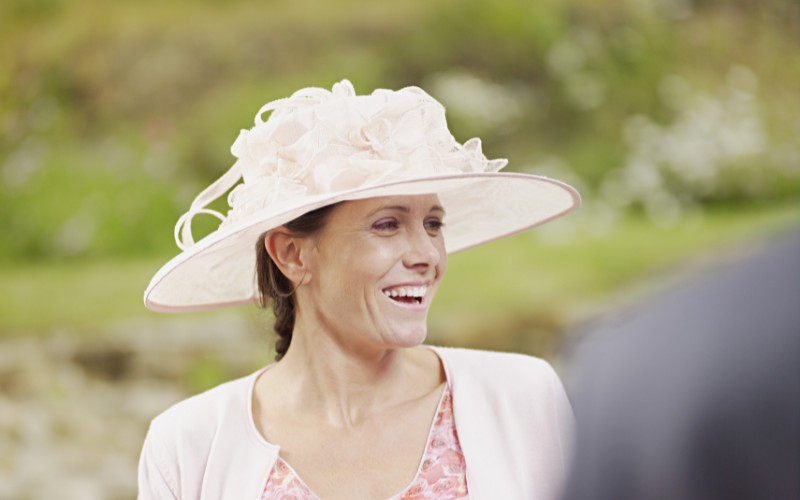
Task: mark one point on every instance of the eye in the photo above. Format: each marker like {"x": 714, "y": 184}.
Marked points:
{"x": 434, "y": 225}
{"x": 386, "y": 225}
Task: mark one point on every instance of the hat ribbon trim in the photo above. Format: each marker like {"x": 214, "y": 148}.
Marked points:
{"x": 183, "y": 228}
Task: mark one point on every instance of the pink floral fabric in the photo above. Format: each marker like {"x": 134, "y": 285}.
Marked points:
{"x": 441, "y": 473}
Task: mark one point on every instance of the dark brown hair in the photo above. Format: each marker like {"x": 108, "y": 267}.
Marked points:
{"x": 274, "y": 286}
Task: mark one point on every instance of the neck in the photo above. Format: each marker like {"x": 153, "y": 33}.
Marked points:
{"x": 343, "y": 384}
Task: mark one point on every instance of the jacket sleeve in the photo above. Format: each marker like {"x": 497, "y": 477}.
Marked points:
{"x": 564, "y": 418}
{"x": 157, "y": 481}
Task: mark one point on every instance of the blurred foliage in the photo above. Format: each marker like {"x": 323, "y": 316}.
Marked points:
{"x": 113, "y": 115}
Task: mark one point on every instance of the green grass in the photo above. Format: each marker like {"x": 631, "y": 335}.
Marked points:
{"x": 531, "y": 275}
{"x": 71, "y": 295}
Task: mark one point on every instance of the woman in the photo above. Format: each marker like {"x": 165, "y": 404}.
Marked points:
{"x": 353, "y": 203}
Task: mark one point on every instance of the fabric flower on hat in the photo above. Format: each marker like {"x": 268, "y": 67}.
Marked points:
{"x": 320, "y": 142}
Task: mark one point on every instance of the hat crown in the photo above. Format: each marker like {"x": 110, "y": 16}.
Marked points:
{"x": 319, "y": 142}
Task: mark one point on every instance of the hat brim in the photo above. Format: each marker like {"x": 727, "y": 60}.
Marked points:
{"x": 219, "y": 270}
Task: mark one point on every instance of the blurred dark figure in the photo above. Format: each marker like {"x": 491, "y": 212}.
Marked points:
{"x": 696, "y": 394}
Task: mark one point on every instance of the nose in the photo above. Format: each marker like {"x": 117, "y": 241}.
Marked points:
{"x": 424, "y": 251}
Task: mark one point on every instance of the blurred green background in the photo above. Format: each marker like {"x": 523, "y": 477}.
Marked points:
{"x": 678, "y": 120}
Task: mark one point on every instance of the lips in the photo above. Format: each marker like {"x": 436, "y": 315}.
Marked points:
{"x": 407, "y": 294}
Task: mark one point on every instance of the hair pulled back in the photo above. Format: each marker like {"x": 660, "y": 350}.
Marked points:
{"x": 274, "y": 286}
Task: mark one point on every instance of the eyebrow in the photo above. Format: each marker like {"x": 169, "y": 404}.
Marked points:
{"x": 405, "y": 209}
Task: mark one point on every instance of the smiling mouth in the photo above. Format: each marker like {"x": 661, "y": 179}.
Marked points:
{"x": 407, "y": 294}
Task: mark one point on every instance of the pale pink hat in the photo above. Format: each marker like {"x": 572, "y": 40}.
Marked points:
{"x": 320, "y": 147}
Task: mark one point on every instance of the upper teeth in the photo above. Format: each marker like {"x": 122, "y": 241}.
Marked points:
{"x": 407, "y": 291}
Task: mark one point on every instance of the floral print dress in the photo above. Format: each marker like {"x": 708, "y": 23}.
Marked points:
{"x": 441, "y": 473}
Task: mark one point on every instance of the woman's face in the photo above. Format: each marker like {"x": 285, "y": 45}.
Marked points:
{"x": 374, "y": 270}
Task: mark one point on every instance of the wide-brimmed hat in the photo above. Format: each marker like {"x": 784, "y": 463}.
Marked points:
{"x": 320, "y": 147}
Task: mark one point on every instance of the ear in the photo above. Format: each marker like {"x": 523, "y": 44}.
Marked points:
{"x": 289, "y": 254}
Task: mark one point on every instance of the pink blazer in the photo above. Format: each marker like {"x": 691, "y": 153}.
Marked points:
{"x": 511, "y": 413}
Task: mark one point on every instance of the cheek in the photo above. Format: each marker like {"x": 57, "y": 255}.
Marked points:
{"x": 375, "y": 261}
{"x": 359, "y": 268}
{"x": 441, "y": 267}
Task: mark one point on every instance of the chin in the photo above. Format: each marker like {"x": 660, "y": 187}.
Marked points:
{"x": 408, "y": 339}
